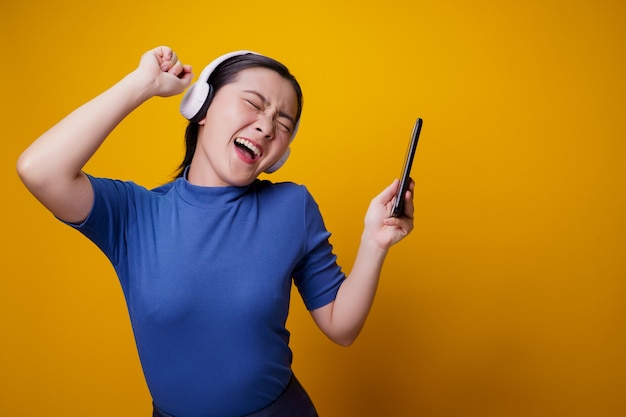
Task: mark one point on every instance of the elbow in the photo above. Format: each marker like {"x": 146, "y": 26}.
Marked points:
{"x": 344, "y": 340}
{"x": 25, "y": 169}
{"x": 34, "y": 173}
{"x": 30, "y": 175}
{"x": 340, "y": 328}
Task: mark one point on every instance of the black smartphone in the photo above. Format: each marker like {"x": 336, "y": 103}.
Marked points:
{"x": 398, "y": 202}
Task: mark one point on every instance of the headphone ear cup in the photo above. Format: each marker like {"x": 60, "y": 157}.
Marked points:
{"x": 283, "y": 158}
{"x": 280, "y": 162}
{"x": 196, "y": 101}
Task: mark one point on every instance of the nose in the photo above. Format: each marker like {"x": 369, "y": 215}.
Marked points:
{"x": 265, "y": 125}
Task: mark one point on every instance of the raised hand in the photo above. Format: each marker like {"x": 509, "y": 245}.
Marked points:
{"x": 163, "y": 72}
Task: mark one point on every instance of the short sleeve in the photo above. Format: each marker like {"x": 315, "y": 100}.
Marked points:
{"x": 317, "y": 276}
{"x": 107, "y": 220}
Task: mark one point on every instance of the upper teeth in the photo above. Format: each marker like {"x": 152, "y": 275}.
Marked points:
{"x": 249, "y": 145}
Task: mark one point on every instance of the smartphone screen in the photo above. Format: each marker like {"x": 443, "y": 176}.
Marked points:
{"x": 398, "y": 202}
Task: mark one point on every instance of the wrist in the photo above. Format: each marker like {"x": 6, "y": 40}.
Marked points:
{"x": 139, "y": 87}
{"x": 373, "y": 246}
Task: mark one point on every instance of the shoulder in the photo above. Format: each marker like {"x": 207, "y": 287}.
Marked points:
{"x": 282, "y": 188}
{"x": 163, "y": 189}
{"x": 288, "y": 196}
{"x": 286, "y": 193}
{"x": 109, "y": 188}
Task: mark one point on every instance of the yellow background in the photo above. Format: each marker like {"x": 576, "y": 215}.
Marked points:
{"x": 507, "y": 300}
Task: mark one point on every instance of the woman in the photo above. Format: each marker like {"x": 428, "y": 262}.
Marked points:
{"x": 206, "y": 261}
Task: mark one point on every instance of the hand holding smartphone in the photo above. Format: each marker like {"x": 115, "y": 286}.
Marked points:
{"x": 398, "y": 202}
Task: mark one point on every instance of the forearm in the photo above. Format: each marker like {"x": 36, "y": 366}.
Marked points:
{"x": 343, "y": 319}
{"x": 356, "y": 295}
{"x": 61, "y": 152}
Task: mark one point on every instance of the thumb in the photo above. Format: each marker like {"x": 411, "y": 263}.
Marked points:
{"x": 388, "y": 193}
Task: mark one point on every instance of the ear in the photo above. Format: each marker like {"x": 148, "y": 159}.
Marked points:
{"x": 202, "y": 121}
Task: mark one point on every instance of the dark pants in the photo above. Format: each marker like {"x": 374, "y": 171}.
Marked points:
{"x": 293, "y": 402}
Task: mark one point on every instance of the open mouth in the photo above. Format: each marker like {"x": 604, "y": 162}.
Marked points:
{"x": 253, "y": 151}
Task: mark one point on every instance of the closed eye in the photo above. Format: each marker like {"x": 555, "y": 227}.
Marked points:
{"x": 253, "y": 104}
{"x": 284, "y": 127}
{"x": 264, "y": 102}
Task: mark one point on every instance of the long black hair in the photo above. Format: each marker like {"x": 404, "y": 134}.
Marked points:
{"x": 226, "y": 73}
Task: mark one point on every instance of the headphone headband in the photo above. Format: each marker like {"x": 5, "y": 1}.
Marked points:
{"x": 208, "y": 70}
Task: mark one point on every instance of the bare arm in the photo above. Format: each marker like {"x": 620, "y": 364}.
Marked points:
{"x": 343, "y": 319}
{"x": 51, "y": 167}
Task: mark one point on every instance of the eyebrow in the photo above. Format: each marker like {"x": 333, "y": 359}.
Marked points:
{"x": 280, "y": 113}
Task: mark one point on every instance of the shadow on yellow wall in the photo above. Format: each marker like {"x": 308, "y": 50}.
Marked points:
{"x": 508, "y": 298}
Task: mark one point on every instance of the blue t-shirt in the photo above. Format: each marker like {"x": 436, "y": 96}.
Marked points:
{"x": 206, "y": 274}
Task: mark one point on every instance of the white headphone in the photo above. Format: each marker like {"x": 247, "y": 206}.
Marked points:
{"x": 196, "y": 101}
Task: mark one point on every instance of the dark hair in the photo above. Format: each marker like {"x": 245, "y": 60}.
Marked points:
{"x": 226, "y": 73}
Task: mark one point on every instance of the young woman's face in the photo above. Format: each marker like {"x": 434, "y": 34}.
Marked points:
{"x": 246, "y": 130}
